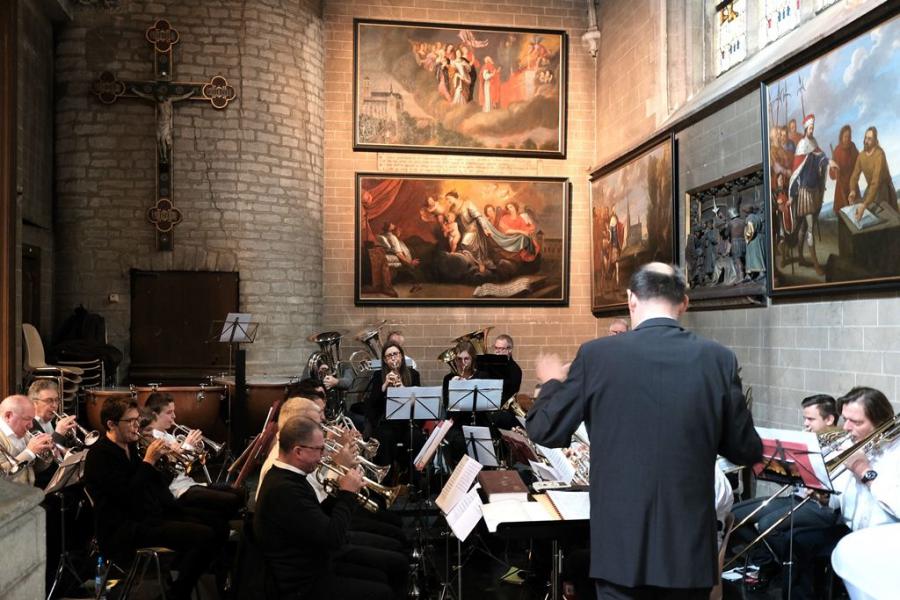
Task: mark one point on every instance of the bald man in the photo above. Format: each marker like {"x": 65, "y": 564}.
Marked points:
{"x": 16, "y": 420}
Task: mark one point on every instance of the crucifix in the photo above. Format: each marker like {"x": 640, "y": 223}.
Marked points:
{"x": 164, "y": 93}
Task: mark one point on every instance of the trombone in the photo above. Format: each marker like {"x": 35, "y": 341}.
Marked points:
{"x": 181, "y": 432}
{"x": 90, "y": 437}
{"x": 377, "y": 471}
{"x": 327, "y": 466}
{"x": 885, "y": 433}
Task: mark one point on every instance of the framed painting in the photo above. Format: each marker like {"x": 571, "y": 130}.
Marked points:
{"x": 833, "y": 152}
{"x": 724, "y": 241}
{"x": 441, "y": 240}
{"x": 424, "y": 87}
{"x": 632, "y": 220}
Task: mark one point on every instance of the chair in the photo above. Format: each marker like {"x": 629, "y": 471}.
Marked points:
{"x": 68, "y": 378}
{"x": 716, "y": 592}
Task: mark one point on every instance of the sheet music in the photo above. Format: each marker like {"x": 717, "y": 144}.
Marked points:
{"x": 432, "y": 443}
{"x": 561, "y": 464}
{"x": 463, "y": 518}
{"x": 543, "y": 472}
{"x": 572, "y": 506}
{"x": 485, "y": 394}
{"x": 514, "y": 511}
{"x": 235, "y": 328}
{"x": 459, "y": 483}
{"x": 802, "y": 454}
{"x": 479, "y": 443}
{"x": 581, "y": 435}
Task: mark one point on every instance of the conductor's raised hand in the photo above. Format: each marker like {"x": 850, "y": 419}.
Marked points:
{"x": 549, "y": 366}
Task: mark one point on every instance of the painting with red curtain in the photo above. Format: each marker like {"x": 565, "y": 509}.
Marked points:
{"x": 461, "y": 240}
{"x": 453, "y": 88}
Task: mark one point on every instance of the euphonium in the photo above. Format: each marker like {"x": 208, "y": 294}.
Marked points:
{"x": 513, "y": 405}
{"x": 90, "y": 437}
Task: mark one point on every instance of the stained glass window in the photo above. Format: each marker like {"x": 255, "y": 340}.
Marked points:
{"x": 780, "y": 16}
{"x": 731, "y": 34}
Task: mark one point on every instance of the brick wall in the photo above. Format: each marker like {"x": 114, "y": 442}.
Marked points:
{"x": 429, "y": 331}
{"x": 248, "y": 179}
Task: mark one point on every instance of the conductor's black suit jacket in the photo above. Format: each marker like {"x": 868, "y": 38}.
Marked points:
{"x": 659, "y": 403}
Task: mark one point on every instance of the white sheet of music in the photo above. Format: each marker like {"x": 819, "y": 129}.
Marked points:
{"x": 429, "y": 448}
{"x": 572, "y": 506}
{"x": 581, "y": 435}
{"x": 543, "y": 472}
{"x": 459, "y": 483}
{"x": 561, "y": 464}
{"x": 479, "y": 443}
{"x": 514, "y": 511}
{"x": 463, "y": 517}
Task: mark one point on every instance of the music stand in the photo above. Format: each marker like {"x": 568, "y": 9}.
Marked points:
{"x": 474, "y": 395}
{"x": 415, "y": 403}
{"x": 236, "y": 329}
{"x": 479, "y": 445}
{"x": 67, "y": 475}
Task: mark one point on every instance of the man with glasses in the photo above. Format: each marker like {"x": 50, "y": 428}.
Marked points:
{"x": 512, "y": 382}
{"x": 16, "y": 416}
{"x": 44, "y": 395}
{"x": 299, "y": 540}
{"x": 617, "y": 327}
{"x": 133, "y": 506}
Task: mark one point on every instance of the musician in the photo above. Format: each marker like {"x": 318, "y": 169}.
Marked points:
{"x": 659, "y": 404}
{"x": 868, "y": 491}
{"x": 298, "y": 539}
{"x": 223, "y": 500}
{"x": 392, "y": 435}
{"x": 617, "y": 327}
{"x": 512, "y": 383}
{"x": 133, "y": 507}
{"x": 396, "y": 337}
{"x": 819, "y": 415}
{"x": 16, "y": 419}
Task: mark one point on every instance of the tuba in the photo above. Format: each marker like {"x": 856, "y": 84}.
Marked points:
{"x": 477, "y": 338}
{"x": 329, "y": 352}
{"x": 369, "y": 337}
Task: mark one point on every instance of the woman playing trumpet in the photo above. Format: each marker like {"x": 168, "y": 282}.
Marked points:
{"x": 394, "y": 373}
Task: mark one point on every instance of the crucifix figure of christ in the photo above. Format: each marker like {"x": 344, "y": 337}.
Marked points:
{"x": 164, "y": 93}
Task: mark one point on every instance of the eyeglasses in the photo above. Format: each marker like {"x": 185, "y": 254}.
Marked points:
{"x": 391, "y": 354}
{"x": 501, "y": 348}
{"x": 129, "y": 421}
{"x": 316, "y": 448}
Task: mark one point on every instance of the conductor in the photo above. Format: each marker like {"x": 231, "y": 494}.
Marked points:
{"x": 659, "y": 403}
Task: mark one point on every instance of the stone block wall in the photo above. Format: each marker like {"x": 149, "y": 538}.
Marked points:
{"x": 430, "y": 330}
{"x": 248, "y": 179}
{"x": 22, "y": 530}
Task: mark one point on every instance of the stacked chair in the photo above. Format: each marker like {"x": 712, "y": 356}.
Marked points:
{"x": 68, "y": 378}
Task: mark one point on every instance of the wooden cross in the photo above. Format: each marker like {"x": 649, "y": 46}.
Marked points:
{"x": 163, "y": 92}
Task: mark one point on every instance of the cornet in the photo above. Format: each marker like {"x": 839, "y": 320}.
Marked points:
{"x": 14, "y": 465}
{"x": 377, "y": 471}
{"x": 388, "y": 493}
{"x": 49, "y": 454}
{"x": 90, "y": 437}
{"x": 204, "y": 443}
{"x": 366, "y": 448}
{"x": 171, "y": 460}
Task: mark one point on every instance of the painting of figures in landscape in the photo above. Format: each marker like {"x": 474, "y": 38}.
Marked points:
{"x": 432, "y": 88}
{"x": 461, "y": 240}
{"x": 632, "y": 222}
{"x": 834, "y": 158}
{"x": 725, "y": 241}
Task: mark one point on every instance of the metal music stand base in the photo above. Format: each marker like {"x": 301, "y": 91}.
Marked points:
{"x": 65, "y": 557}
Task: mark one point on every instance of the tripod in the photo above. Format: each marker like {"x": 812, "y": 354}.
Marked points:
{"x": 65, "y": 558}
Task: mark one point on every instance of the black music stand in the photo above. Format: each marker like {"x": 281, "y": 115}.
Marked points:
{"x": 413, "y": 404}
{"x": 474, "y": 395}
{"x": 234, "y": 330}
{"x": 480, "y": 445}
{"x": 67, "y": 475}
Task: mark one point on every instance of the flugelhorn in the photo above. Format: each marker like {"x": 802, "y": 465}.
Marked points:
{"x": 90, "y": 437}
{"x": 377, "y": 471}
{"x": 203, "y": 445}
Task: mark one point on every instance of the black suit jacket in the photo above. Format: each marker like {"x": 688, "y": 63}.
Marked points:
{"x": 660, "y": 403}
{"x": 296, "y": 536}
{"x": 43, "y": 478}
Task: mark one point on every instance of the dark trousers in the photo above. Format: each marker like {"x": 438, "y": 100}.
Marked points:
{"x": 366, "y": 554}
{"x": 194, "y": 542}
{"x": 223, "y": 502}
{"x": 798, "y": 582}
{"x": 611, "y": 591}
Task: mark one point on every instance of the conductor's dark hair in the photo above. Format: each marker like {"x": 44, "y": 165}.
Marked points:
{"x": 114, "y": 409}
{"x": 652, "y": 282}
{"x": 297, "y": 431}
{"x": 875, "y": 404}
{"x": 826, "y": 405}
{"x": 305, "y": 388}
{"x": 157, "y": 401}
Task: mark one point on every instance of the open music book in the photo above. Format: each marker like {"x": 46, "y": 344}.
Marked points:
{"x": 432, "y": 444}
{"x": 461, "y": 506}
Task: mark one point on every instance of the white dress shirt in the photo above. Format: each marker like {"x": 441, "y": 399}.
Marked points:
{"x": 876, "y": 503}
{"x": 19, "y": 444}
{"x": 182, "y": 482}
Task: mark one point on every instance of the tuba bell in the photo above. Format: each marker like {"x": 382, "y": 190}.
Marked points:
{"x": 369, "y": 337}
{"x": 329, "y": 353}
{"x": 448, "y": 356}
{"x": 477, "y": 338}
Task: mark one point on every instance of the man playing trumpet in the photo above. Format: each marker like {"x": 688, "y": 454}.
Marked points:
{"x": 44, "y": 395}
{"x": 16, "y": 421}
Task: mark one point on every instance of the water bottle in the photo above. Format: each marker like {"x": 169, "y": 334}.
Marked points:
{"x": 99, "y": 588}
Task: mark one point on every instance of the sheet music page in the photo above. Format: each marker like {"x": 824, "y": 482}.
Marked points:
{"x": 431, "y": 444}
{"x": 560, "y": 462}
{"x": 514, "y": 511}
{"x": 459, "y": 483}
{"x": 463, "y": 518}
{"x": 581, "y": 435}
{"x": 572, "y": 506}
{"x": 543, "y": 472}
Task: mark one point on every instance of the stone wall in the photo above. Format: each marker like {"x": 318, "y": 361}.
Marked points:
{"x": 429, "y": 330}
{"x": 22, "y": 530}
{"x": 248, "y": 179}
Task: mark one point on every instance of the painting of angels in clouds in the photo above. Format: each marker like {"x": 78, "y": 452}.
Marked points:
{"x": 432, "y": 88}
{"x": 632, "y": 221}
{"x": 834, "y": 167}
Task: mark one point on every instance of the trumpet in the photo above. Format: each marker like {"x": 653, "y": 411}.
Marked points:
{"x": 327, "y": 466}
{"x": 174, "y": 461}
{"x": 50, "y": 454}
{"x": 377, "y": 471}
{"x": 204, "y": 443}
{"x": 90, "y": 437}
{"x": 366, "y": 448}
